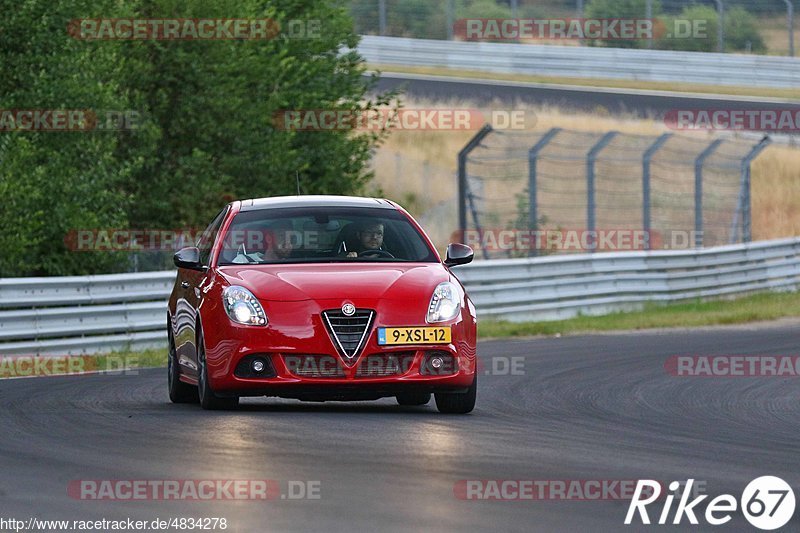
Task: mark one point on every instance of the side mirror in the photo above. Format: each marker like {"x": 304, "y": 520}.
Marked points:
{"x": 188, "y": 258}
{"x": 458, "y": 254}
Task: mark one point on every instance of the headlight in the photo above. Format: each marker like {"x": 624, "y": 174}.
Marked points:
{"x": 242, "y": 307}
{"x": 445, "y": 303}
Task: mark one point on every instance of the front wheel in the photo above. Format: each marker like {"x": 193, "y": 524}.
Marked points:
{"x": 208, "y": 400}
{"x": 459, "y": 403}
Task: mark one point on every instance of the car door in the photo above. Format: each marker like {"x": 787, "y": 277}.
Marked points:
{"x": 191, "y": 283}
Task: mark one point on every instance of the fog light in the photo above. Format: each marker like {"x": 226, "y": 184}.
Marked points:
{"x": 437, "y": 362}
{"x": 257, "y": 366}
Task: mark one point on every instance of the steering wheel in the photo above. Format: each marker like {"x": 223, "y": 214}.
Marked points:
{"x": 376, "y": 251}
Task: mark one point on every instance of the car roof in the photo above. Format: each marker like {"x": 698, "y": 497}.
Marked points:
{"x": 314, "y": 200}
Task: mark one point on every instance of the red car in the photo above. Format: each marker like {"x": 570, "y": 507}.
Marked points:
{"x": 320, "y": 298}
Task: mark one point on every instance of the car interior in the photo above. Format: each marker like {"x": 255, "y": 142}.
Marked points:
{"x": 318, "y": 238}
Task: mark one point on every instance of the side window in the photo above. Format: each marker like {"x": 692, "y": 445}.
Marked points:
{"x": 206, "y": 240}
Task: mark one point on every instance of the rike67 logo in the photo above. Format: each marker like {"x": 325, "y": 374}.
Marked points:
{"x": 767, "y": 502}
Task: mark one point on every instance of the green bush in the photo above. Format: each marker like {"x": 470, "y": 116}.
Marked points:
{"x": 624, "y": 9}
{"x": 482, "y": 9}
{"x": 420, "y": 19}
{"x": 741, "y": 31}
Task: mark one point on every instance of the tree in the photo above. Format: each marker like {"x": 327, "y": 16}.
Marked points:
{"x": 206, "y": 133}
{"x": 212, "y": 105}
{"x": 55, "y": 182}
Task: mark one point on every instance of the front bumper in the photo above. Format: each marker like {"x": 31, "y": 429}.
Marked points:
{"x": 306, "y": 364}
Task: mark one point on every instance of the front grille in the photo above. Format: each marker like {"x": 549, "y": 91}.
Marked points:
{"x": 313, "y": 366}
{"x": 385, "y": 364}
{"x": 348, "y": 332}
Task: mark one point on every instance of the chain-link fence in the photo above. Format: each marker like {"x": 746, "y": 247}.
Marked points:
{"x": 759, "y": 26}
{"x": 533, "y": 193}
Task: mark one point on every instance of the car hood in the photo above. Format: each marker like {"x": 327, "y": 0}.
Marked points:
{"x": 334, "y": 281}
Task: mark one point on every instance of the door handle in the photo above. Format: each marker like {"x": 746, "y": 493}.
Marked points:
{"x": 185, "y": 284}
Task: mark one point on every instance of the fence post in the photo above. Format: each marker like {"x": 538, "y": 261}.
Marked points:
{"x": 743, "y": 204}
{"x": 450, "y": 8}
{"x": 790, "y": 22}
{"x": 720, "y": 26}
{"x": 533, "y": 155}
{"x": 591, "y": 158}
{"x": 646, "y": 159}
{"x": 381, "y": 17}
{"x": 462, "y": 177}
{"x": 698, "y": 191}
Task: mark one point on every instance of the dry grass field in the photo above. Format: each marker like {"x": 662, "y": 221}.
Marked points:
{"x": 418, "y": 169}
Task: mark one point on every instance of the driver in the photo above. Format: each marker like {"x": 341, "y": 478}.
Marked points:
{"x": 369, "y": 237}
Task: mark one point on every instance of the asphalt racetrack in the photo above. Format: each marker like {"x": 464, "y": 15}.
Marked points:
{"x": 598, "y": 407}
{"x": 640, "y": 103}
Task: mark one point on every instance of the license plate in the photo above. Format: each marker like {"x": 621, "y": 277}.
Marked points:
{"x": 424, "y": 335}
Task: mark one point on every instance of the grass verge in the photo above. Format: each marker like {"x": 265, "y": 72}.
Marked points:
{"x": 758, "y": 307}
{"x": 598, "y": 82}
{"x": 144, "y": 359}
{"x": 122, "y": 362}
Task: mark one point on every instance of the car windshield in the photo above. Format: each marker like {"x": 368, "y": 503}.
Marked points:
{"x": 323, "y": 234}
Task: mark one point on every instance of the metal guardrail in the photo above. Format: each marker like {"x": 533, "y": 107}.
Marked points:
{"x": 554, "y": 287}
{"x": 585, "y": 62}
{"x": 76, "y": 315}
{"x": 83, "y": 314}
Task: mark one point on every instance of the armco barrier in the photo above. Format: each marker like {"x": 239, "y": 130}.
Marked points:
{"x": 90, "y": 314}
{"x": 585, "y": 62}
{"x": 549, "y": 288}
{"x": 84, "y": 314}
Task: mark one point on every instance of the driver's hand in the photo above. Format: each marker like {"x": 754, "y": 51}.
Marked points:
{"x": 352, "y": 254}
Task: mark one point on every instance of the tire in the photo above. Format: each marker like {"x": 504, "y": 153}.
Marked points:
{"x": 179, "y": 392}
{"x": 459, "y": 403}
{"x": 414, "y": 398}
{"x": 208, "y": 400}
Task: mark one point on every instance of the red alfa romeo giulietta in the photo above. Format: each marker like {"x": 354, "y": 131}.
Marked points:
{"x": 320, "y": 298}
